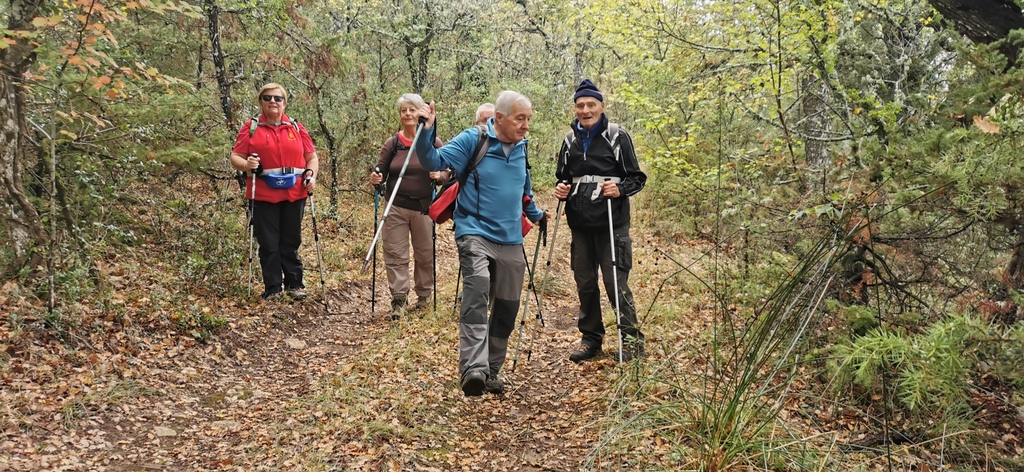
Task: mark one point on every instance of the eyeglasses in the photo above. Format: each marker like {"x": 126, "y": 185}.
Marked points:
{"x": 272, "y": 98}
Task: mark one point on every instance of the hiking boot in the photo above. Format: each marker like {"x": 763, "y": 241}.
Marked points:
{"x": 631, "y": 352}
{"x": 296, "y": 294}
{"x": 586, "y": 352}
{"x": 493, "y": 385}
{"x": 274, "y": 297}
{"x": 398, "y": 305}
{"x": 421, "y": 303}
{"x": 473, "y": 383}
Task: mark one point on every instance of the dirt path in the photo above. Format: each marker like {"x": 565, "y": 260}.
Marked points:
{"x": 275, "y": 391}
{"x": 178, "y": 405}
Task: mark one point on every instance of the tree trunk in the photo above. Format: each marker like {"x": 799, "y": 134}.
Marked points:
{"x": 816, "y": 126}
{"x": 984, "y": 21}
{"x": 332, "y": 143}
{"x": 21, "y": 220}
{"x": 417, "y": 53}
{"x": 213, "y": 24}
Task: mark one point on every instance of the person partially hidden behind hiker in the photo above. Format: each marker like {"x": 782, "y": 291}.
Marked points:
{"x": 408, "y": 216}
{"x": 488, "y": 233}
{"x": 280, "y": 152}
{"x": 484, "y": 112}
{"x": 595, "y": 163}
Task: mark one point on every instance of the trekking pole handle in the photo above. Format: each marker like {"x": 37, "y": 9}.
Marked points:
{"x": 379, "y": 188}
{"x": 306, "y": 176}
{"x": 606, "y": 179}
{"x": 259, "y": 167}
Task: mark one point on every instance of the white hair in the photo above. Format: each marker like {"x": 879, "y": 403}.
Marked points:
{"x": 410, "y": 98}
{"x": 509, "y": 98}
{"x": 484, "y": 108}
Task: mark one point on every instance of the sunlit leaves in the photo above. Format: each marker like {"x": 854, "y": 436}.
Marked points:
{"x": 40, "y": 22}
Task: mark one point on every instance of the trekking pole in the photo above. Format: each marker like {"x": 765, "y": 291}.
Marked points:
{"x": 547, "y": 265}
{"x": 377, "y": 191}
{"x": 433, "y": 239}
{"x": 615, "y": 274}
{"x": 529, "y": 287}
{"x": 455, "y": 298}
{"x": 252, "y": 222}
{"x": 316, "y": 239}
{"x": 394, "y": 193}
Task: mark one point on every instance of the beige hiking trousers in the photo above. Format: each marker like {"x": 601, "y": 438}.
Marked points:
{"x": 401, "y": 226}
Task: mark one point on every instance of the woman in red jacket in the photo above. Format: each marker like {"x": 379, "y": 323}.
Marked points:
{"x": 280, "y": 152}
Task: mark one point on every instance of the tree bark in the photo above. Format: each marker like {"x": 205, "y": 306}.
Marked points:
{"x": 984, "y": 21}
{"x": 417, "y": 53}
{"x": 817, "y": 125}
{"x": 213, "y": 24}
{"x": 21, "y": 220}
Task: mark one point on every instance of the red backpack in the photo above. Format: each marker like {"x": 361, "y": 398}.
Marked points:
{"x": 443, "y": 206}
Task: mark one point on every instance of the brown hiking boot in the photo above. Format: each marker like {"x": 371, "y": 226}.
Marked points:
{"x": 585, "y": 353}
{"x": 296, "y": 294}
{"x": 398, "y": 305}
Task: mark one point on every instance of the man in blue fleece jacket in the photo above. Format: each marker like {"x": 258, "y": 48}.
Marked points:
{"x": 488, "y": 232}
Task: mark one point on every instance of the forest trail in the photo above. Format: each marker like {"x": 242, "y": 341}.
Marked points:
{"x": 301, "y": 387}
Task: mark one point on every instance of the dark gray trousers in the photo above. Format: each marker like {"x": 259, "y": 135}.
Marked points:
{"x": 492, "y": 274}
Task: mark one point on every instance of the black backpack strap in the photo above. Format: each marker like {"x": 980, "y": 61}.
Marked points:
{"x": 391, "y": 154}
{"x": 478, "y": 154}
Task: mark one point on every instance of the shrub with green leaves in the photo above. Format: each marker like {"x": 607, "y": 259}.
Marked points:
{"x": 930, "y": 368}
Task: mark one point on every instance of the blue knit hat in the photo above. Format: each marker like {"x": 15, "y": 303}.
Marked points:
{"x": 587, "y": 89}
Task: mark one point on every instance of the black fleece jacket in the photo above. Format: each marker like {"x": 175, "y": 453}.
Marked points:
{"x": 582, "y": 211}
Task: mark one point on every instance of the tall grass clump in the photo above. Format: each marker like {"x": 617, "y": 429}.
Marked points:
{"x": 712, "y": 403}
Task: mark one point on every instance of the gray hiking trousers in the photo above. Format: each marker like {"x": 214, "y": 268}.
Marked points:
{"x": 492, "y": 274}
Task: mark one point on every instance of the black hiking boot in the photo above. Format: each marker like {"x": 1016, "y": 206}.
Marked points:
{"x": 473, "y": 383}
{"x": 494, "y": 385}
{"x": 586, "y": 352}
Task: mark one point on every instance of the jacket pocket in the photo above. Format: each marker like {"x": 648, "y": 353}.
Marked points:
{"x": 572, "y": 256}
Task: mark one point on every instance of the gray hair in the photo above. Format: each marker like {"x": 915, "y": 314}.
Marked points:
{"x": 410, "y": 98}
{"x": 509, "y": 98}
{"x": 484, "y": 108}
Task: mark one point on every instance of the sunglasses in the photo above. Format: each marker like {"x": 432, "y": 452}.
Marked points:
{"x": 272, "y": 98}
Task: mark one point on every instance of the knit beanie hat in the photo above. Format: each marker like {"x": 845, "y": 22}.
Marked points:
{"x": 587, "y": 89}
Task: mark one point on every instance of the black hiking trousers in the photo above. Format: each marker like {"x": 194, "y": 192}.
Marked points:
{"x": 590, "y": 251}
{"x": 278, "y": 229}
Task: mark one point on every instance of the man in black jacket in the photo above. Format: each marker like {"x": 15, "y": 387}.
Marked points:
{"x": 597, "y": 163}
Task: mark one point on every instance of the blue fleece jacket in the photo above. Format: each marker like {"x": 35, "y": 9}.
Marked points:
{"x": 490, "y": 205}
